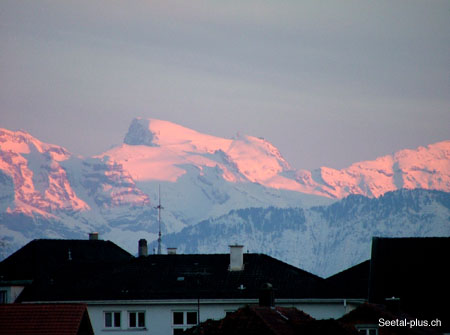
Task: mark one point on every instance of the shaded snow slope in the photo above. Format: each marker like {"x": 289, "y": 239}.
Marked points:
{"x": 325, "y": 239}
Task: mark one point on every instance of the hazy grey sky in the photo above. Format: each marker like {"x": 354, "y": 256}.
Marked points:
{"x": 327, "y": 82}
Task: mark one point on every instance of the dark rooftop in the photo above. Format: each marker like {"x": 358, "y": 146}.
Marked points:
{"x": 43, "y": 256}
{"x": 415, "y": 271}
{"x": 353, "y": 282}
{"x": 176, "y": 276}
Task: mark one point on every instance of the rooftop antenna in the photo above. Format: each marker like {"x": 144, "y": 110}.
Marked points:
{"x": 159, "y": 207}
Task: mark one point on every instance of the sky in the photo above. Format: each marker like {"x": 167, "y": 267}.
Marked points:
{"x": 329, "y": 83}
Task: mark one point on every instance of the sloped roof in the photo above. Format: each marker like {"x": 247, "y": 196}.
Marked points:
{"x": 176, "y": 277}
{"x": 42, "y": 256}
{"x": 352, "y": 282}
{"x": 35, "y": 319}
{"x": 257, "y": 320}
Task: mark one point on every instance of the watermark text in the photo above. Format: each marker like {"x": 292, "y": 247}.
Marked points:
{"x": 411, "y": 323}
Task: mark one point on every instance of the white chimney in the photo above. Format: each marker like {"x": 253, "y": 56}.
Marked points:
{"x": 171, "y": 251}
{"x": 236, "y": 258}
{"x": 93, "y": 236}
{"x": 142, "y": 249}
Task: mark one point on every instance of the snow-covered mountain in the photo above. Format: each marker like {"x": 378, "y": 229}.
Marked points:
{"x": 425, "y": 167}
{"x": 156, "y": 150}
{"x": 205, "y": 176}
{"x": 46, "y": 179}
{"x": 202, "y": 175}
{"x": 46, "y": 191}
{"x": 325, "y": 239}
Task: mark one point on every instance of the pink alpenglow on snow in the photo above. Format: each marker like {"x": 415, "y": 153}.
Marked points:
{"x": 156, "y": 150}
{"x": 44, "y": 178}
{"x": 425, "y": 167}
{"x": 40, "y": 182}
{"x": 37, "y": 179}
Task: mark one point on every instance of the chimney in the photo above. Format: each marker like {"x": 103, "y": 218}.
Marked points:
{"x": 266, "y": 297}
{"x": 236, "y": 258}
{"x": 171, "y": 251}
{"x": 93, "y": 236}
{"x": 142, "y": 249}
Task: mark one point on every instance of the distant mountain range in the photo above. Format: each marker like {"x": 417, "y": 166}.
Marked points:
{"x": 324, "y": 239}
{"x": 46, "y": 191}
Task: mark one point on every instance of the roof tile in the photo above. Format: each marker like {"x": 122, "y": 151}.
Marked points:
{"x": 57, "y": 319}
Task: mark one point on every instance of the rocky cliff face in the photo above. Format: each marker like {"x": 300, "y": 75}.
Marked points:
{"x": 45, "y": 191}
{"x": 47, "y": 179}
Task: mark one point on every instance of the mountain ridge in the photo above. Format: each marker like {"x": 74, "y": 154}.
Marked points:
{"x": 323, "y": 240}
{"x": 46, "y": 191}
{"x": 251, "y": 159}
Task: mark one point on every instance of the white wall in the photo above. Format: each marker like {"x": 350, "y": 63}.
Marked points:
{"x": 12, "y": 292}
{"x": 158, "y": 315}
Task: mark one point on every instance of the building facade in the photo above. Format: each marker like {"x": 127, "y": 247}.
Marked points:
{"x": 162, "y": 294}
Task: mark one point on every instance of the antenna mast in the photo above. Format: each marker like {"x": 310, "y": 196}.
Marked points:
{"x": 159, "y": 207}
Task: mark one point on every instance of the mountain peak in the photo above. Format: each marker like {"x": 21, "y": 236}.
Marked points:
{"x": 257, "y": 160}
{"x": 139, "y": 133}
{"x": 43, "y": 178}
{"x": 156, "y": 133}
{"x": 157, "y": 149}
{"x": 426, "y": 167}
{"x": 21, "y": 142}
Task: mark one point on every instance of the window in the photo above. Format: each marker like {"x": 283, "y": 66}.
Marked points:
{"x": 367, "y": 329}
{"x": 136, "y": 319}
{"x": 191, "y": 318}
{"x": 112, "y": 319}
{"x": 178, "y": 318}
{"x": 3, "y": 297}
{"x": 183, "y": 320}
